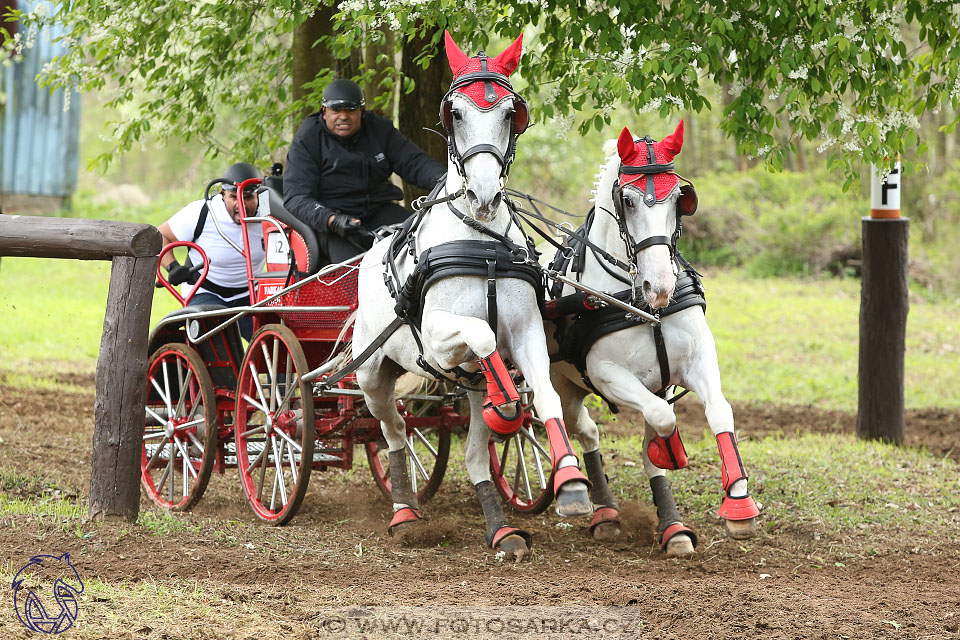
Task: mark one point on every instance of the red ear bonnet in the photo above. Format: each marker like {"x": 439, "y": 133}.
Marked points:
{"x": 674, "y": 142}
{"x": 504, "y": 64}
{"x": 510, "y": 57}
{"x": 455, "y": 56}
{"x": 637, "y": 154}
{"x": 626, "y": 147}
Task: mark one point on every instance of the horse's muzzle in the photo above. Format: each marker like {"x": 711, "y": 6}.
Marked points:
{"x": 484, "y": 209}
{"x": 657, "y": 296}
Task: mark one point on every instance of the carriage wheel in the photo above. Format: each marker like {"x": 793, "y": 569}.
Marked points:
{"x": 180, "y": 430}
{"x": 521, "y": 467}
{"x": 274, "y": 424}
{"x": 427, "y": 453}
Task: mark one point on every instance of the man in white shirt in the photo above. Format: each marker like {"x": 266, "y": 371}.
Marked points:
{"x": 215, "y": 226}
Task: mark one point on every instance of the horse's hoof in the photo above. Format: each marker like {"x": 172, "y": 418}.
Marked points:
{"x": 741, "y": 529}
{"x": 605, "y": 526}
{"x": 514, "y": 545}
{"x": 573, "y": 499}
{"x": 606, "y": 532}
{"x": 679, "y": 546}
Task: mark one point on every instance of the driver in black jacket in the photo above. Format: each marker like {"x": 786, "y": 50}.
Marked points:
{"x": 339, "y": 164}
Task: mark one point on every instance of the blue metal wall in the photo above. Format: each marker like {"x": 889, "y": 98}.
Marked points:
{"x": 38, "y": 140}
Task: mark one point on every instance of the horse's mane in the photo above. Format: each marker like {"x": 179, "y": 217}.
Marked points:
{"x": 607, "y": 171}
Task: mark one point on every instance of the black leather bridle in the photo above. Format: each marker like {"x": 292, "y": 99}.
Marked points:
{"x": 521, "y": 117}
{"x": 686, "y": 202}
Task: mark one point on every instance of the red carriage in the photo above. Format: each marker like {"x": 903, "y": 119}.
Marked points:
{"x": 212, "y": 404}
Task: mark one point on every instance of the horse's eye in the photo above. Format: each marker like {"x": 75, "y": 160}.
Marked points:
{"x": 629, "y": 202}
{"x": 456, "y": 114}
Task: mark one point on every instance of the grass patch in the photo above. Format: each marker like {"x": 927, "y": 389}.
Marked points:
{"x": 796, "y": 341}
{"x": 831, "y": 483}
{"x": 157, "y": 522}
{"x": 175, "y": 608}
{"x": 53, "y": 314}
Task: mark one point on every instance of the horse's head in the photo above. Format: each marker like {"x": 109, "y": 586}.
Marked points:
{"x": 482, "y": 116}
{"x": 647, "y": 200}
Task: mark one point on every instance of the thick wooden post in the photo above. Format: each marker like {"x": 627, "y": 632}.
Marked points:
{"x": 122, "y": 366}
{"x": 884, "y": 304}
{"x": 121, "y": 388}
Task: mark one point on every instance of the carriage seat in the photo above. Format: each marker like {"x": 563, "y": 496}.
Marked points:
{"x": 302, "y": 237}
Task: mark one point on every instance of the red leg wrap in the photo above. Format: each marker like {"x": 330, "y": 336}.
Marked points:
{"x": 674, "y": 529}
{"x": 501, "y": 393}
{"x": 731, "y": 465}
{"x": 668, "y": 453}
{"x": 732, "y": 469}
{"x": 560, "y": 448}
{"x": 403, "y": 515}
{"x": 559, "y": 442}
{"x": 604, "y": 515}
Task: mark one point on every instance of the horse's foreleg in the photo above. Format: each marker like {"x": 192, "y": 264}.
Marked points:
{"x": 453, "y": 340}
{"x": 500, "y": 535}
{"x": 377, "y": 379}
{"x": 676, "y": 539}
{"x": 620, "y": 386}
{"x": 570, "y": 486}
{"x": 738, "y": 507}
{"x": 606, "y": 516}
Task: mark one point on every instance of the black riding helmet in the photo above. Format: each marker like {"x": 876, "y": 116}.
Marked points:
{"x": 343, "y": 94}
{"x": 237, "y": 173}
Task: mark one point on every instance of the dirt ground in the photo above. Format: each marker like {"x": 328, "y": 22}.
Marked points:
{"x": 784, "y": 583}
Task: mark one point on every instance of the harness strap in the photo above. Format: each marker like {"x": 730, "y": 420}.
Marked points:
{"x": 222, "y": 291}
{"x": 482, "y": 148}
{"x": 363, "y": 357}
{"x": 492, "y": 318}
{"x": 476, "y": 225}
{"x": 662, "y": 357}
{"x": 649, "y": 242}
{"x": 580, "y": 237}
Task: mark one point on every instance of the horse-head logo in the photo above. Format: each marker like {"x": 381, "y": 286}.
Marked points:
{"x": 45, "y": 593}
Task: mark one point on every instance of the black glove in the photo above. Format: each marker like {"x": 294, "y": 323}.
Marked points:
{"x": 343, "y": 225}
{"x": 178, "y": 274}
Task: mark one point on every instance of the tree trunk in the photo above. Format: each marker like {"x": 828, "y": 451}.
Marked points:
{"x": 309, "y": 60}
{"x": 386, "y": 47}
{"x": 121, "y": 390}
{"x": 5, "y": 7}
{"x": 801, "y": 159}
{"x": 349, "y": 67}
{"x": 420, "y": 108}
{"x": 740, "y": 161}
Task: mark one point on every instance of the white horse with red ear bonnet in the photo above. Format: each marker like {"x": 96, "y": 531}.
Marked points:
{"x": 637, "y": 220}
{"x": 454, "y": 295}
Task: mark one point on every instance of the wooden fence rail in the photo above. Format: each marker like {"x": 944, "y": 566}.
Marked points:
{"x": 122, "y": 364}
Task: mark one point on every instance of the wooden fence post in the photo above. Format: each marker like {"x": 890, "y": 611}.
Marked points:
{"x": 122, "y": 365}
{"x": 884, "y": 304}
{"x": 121, "y": 388}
